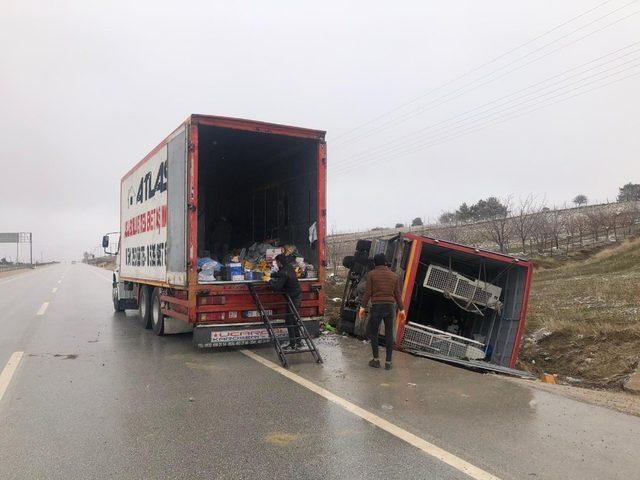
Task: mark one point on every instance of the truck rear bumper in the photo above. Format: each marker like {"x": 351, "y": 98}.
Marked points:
{"x": 236, "y": 334}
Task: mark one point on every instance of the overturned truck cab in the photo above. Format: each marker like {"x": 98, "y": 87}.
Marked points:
{"x": 463, "y": 304}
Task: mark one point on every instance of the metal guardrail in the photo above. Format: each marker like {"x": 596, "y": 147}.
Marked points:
{"x": 9, "y": 268}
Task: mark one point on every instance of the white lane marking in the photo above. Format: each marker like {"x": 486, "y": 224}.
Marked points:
{"x": 59, "y": 281}
{"x": 18, "y": 276}
{"x": 98, "y": 275}
{"x": 43, "y": 308}
{"x": 54, "y": 290}
{"x": 428, "y": 448}
{"x": 8, "y": 371}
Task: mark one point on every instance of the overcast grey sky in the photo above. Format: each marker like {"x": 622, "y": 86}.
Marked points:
{"x": 87, "y": 88}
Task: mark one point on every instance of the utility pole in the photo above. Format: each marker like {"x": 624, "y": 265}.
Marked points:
{"x": 31, "y": 248}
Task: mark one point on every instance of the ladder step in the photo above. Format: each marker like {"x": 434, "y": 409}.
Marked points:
{"x": 286, "y": 339}
{"x": 298, "y": 350}
{"x": 279, "y": 342}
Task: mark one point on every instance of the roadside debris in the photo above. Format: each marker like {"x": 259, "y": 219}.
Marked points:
{"x": 539, "y": 334}
{"x": 548, "y": 378}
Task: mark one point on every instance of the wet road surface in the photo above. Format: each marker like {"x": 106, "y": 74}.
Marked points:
{"x": 97, "y": 396}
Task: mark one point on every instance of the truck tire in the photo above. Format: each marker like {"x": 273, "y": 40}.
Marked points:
{"x": 118, "y": 305}
{"x": 348, "y": 262}
{"x": 144, "y": 306}
{"x": 157, "y": 317}
{"x": 363, "y": 246}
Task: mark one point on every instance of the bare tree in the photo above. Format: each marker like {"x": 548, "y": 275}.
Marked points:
{"x": 596, "y": 220}
{"x": 630, "y": 217}
{"x": 575, "y": 226}
{"x": 555, "y": 226}
{"x": 497, "y": 229}
{"x": 450, "y": 231}
{"x": 524, "y": 219}
{"x": 580, "y": 200}
{"x": 334, "y": 251}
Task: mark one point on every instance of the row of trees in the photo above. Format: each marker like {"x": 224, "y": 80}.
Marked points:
{"x": 482, "y": 210}
{"x": 532, "y": 227}
{"x": 528, "y": 225}
{"x": 493, "y": 207}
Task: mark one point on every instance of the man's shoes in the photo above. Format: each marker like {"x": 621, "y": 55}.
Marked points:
{"x": 292, "y": 346}
{"x": 375, "y": 363}
{"x": 299, "y": 344}
{"x": 387, "y": 365}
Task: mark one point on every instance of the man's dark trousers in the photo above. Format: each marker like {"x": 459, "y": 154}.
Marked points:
{"x": 382, "y": 312}
{"x": 294, "y": 331}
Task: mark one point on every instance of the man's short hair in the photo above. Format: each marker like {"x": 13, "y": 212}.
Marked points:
{"x": 379, "y": 259}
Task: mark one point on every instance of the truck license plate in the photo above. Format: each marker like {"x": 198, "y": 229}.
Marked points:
{"x": 226, "y": 338}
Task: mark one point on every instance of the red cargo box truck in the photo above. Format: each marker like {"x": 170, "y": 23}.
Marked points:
{"x": 464, "y": 305}
{"x": 260, "y": 184}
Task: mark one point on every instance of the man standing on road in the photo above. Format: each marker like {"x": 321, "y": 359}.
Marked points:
{"x": 285, "y": 280}
{"x": 383, "y": 289}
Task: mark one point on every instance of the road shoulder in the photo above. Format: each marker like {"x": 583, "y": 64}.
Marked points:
{"x": 623, "y": 402}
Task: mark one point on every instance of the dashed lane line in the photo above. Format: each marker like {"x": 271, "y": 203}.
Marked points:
{"x": 43, "y": 308}
{"x": 8, "y": 371}
{"x": 54, "y": 290}
{"x": 421, "y": 444}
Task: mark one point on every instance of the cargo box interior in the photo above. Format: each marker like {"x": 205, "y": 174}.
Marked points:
{"x": 496, "y": 328}
{"x": 256, "y": 188}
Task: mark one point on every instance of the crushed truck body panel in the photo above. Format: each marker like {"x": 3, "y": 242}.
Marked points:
{"x": 458, "y": 299}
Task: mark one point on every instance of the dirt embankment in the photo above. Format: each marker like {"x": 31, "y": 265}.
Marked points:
{"x": 584, "y": 319}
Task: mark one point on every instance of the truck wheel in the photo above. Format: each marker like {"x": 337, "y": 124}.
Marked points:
{"x": 117, "y": 304}
{"x": 144, "y": 308}
{"x": 157, "y": 317}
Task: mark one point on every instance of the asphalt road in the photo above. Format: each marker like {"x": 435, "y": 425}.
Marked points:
{"x": 97, "y": 396}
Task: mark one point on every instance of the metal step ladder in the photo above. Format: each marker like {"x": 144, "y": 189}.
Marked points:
{"x": 303, "y": 333}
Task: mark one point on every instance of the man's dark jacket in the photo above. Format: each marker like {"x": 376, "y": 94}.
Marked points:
{"x": 285, "y": 280}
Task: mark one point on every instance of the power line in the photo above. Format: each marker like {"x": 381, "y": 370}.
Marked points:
{"x": 493, "y": 60}
{"x": 473, "y": 129}
{"x": 421, "y": 137}
{"x": 417, "y": 146}
{"x": 461, "y": 90}
{"x": 463, "y": 114}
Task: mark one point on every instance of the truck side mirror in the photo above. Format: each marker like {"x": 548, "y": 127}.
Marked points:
{"x": 105, "y": 241}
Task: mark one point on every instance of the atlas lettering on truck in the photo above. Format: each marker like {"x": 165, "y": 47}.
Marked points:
{"x": 217, "y": 190}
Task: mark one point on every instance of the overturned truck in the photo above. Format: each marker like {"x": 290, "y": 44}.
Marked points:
{"x": 463, "y": 304}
